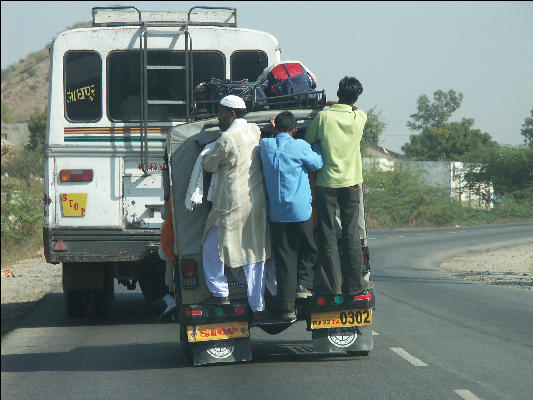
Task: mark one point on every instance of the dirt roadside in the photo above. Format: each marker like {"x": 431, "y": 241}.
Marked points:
{"x": 29, "y": 280}
{"x": 509, "y": 267}
{"x": 23, "y": 285}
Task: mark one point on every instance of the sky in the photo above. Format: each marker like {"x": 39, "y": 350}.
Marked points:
{"x": 398, "y": 50}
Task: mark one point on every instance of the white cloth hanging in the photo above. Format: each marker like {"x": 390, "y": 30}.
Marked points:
{"x": 195, "y": 190}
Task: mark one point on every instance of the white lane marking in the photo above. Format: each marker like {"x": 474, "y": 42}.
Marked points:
{"x": 413, "y": 360}
{"x": 401, "y": 236}
{"x": 466, "y": 394}
{"x": 374, "y": 333}
{"x": 371, "y": 238}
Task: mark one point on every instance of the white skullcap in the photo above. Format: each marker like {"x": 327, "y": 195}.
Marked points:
{"x": 232, "y": 101}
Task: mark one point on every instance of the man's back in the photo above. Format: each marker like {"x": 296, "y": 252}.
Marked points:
{"x": 338, "y": 130}
{"x": 285, "y": 162}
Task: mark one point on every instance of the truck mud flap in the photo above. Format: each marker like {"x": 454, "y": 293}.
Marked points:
{"x": 221, "y": 351}
{"x": 340, "y": 340}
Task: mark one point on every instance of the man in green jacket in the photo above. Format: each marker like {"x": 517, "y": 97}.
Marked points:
{"x": 338, "y": 130}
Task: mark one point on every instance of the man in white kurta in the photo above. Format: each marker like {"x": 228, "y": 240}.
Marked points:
{"x": 236, "y": 233}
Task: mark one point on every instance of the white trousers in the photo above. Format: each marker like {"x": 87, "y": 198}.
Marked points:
{"x": 256, "y": 276}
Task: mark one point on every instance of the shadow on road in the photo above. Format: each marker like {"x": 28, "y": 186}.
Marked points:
{"x": 166, "y": 355}
{"x": 129, "y": 308}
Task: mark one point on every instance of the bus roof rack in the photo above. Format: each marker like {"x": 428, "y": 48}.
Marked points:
{"x": 197, "y": 16}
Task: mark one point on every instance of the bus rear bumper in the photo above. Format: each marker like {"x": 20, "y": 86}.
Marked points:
{"x": 98, "y": 244}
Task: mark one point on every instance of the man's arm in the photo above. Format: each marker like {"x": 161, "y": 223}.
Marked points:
{"x": 312, "y": 157}
{"x": 311, "y": 133}
{"x": 215, "y": 157}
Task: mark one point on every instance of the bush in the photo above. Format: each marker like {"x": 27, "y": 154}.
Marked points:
{"x": 22, "y": 164}
{"x": 21, "y": 213}
{"x": 400, "y": 199}
{"x": 22, "y": 224}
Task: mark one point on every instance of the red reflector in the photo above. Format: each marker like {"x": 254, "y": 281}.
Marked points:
{"x": 321, "y": 301}
{"x": 365, "y": 297}
{"x": 60, "y": 245}
{"x": 239, "y": 309}
{"x": 76, "y": 175}
{"x": 193, "y": 312}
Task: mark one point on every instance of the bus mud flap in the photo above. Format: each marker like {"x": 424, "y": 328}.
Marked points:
{"x": 222, "y": 351}
{"x": 340, "y": 340}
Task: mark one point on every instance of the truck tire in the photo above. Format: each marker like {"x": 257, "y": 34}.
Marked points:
{"x": 104, "y": 299}
{"x": 76, "y": 303}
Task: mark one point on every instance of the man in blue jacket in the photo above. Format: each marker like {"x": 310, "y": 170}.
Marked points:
{"x": 285, "y": 161}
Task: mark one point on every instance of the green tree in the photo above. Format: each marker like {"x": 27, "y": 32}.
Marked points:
{"x": 436, "y": 113}
{"x": 373, "y": 128}
{"x": 6, "y": 117}
{"x": 527, "y": 130}
{"x": 508, "y": 169}
{"x": 447, "y": 142}
{"x": 37, "y": 127}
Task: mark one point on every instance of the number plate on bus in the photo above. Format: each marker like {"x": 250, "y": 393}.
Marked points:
{"x": 335, "y": 319}
{"x": 74, "y": 204}
{"x": 225, "y": 330}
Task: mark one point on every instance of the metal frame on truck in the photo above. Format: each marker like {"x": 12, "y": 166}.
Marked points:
{"x": 216, "y": 334}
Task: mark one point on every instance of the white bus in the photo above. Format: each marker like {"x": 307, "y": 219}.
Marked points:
{"x": 116, "y": 89}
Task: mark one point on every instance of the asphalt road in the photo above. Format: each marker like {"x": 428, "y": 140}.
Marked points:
{"x": 436, "y": 337}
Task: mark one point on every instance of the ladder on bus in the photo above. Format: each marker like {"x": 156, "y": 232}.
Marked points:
{"x": 102, "y": 17}
{"x": 187, "y": 68}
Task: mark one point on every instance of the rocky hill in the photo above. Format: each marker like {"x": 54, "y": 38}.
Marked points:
{"x": 25, "y": 84}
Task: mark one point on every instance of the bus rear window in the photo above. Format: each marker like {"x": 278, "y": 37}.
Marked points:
{"x": 248, "y": 64}
{"x": 124, "y": 82}
{"x": 83, "y": 86}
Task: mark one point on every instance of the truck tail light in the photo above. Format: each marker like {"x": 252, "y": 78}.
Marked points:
{"x": 76, "y": 175}
{"x": 196, "y": 313}
{"x": 367, "y": 296}
{"x": 188, "y": 274}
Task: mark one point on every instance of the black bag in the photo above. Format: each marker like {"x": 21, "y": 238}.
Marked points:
{"x": 215, "y": 89}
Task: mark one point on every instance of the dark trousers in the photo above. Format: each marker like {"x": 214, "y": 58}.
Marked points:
{"x": 295, "y": 254}
{"x": 339, "y": 274}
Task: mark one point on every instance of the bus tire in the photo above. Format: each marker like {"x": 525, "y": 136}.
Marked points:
{"x": 105, "y": 298}
{"x": 76, "y": 303}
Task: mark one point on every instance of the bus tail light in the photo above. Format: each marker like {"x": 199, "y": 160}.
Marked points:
{"x": 76, "y": 175}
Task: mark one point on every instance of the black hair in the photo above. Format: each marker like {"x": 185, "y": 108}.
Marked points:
{"x": 285, "y": 121}
{"x": 349, "y": 90}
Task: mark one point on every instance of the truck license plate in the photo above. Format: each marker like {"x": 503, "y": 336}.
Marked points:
{"x": 74, "y": 204}
{"x": 225, "y": 330}
{"x": 335, "y": 319}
